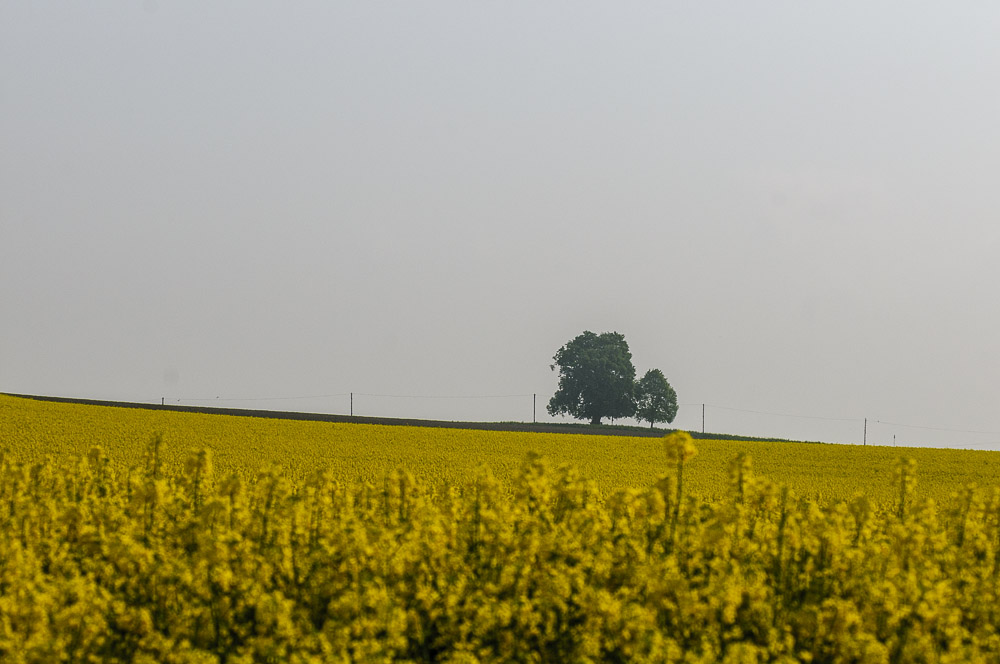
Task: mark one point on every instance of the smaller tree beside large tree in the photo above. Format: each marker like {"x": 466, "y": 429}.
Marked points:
{"x": 655, "y": 400}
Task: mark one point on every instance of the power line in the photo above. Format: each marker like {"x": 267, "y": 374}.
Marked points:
{"x": 526, "y": 395}
{"x": 852, "y": 419}
{"x": 362, "y": 394}
{"x": 440, "y": 396}
{"x": 804, "y": 417}
{"x": 917, "y": 426}
{"x": 315, "y": 396}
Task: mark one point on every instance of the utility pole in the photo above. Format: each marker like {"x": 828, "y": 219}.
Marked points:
{"x": 866, "y": 432}
{"x": 703, "y": 418}
{"x": 534, "y": 398}
{"x": 352, "y": 404}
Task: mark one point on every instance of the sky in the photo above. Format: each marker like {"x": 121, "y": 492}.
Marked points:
{"x": 788, "y": 208}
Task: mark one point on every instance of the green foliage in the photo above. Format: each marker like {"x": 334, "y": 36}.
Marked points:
{"x": 596, "y": 378}
{"x": 655, "y": 400}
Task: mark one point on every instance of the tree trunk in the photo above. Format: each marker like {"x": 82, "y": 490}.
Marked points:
{"x": 595, "y": 420}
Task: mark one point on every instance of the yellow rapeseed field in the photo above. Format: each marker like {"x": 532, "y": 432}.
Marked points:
{"x": 34, "y": 429}
{"x": 152, "y": 536}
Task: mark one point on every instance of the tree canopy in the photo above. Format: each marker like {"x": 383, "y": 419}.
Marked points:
{"x": 596, "y": 378}
{"x": 655, "y": 400}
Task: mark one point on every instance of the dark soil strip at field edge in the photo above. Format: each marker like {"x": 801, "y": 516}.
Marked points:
{"x": 587, "y": 429}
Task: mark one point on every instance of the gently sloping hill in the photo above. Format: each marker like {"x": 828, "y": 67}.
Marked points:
{"x": 534, "y": 427}
{"x": 32, "y": 429}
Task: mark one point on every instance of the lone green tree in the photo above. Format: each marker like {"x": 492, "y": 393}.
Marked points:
{"x": 655, "y": 400}
{"x": 596, "y": 378}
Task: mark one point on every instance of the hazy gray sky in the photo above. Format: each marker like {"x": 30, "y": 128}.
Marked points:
{"x": 786, "y": 207}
